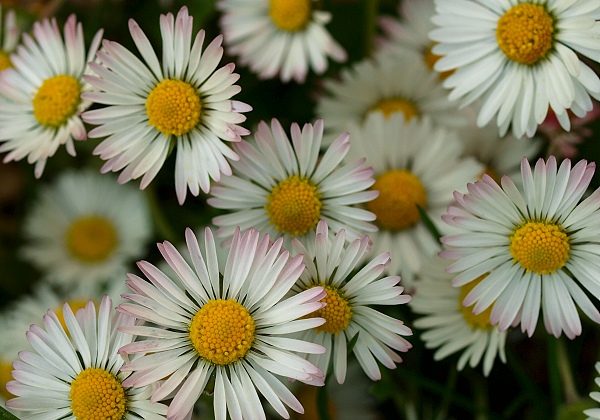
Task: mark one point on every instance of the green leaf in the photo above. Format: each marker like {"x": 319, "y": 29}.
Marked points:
{"x": 352, "y": 342}
{"x": 6, "y": 415}
{"x": 429, "y": 223}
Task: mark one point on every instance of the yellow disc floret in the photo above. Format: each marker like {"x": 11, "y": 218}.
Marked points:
{"x": 222, "y": 331}
{"x": 173, "y": 107}
{"x": 294, "y": 205}
{"x": 541, "y": 247}
{"x": 390, "y": 106}
{"x": 399, "y": 194}
{"x": 91, "y": 239}
{"x": 290, "y": 15}
{"x": 97, "y": 395}
{"x": 6, "y": 368}
{"x": 5, "y": 61}
{"x": 430, "y": 59}
{"x": 56, "y": 100}
{"x": 75, "y": 305}
{"x": 481, "y": 320}
{"x": 525, "y": 33}
{"x": 337, "y": 313}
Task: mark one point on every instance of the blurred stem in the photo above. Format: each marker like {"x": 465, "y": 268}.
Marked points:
{"x": 446, "y": 398}
{"x": 322, "y": 403}
{"x": 553, "y": 372}
{"x": 160, "y": 221}
{"x": 566, "y": 374}
{"x": 371, "y": 15}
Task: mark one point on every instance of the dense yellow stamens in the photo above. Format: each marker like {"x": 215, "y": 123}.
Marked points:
{"x": 56, "y": 100}
{"x": 430, "y": 59}
{"x": 481, "y": 320}
{"x": 290, "y": 15}
{"x": 399, "y": 194}
{"x": 525, "y": 33}
{"x": 294, "y": 206}
{"x": 5, "y": 377}
{"x": 337, "y": 313}
{"x": 541, "y": 247}
{"x": 91, "y": 238}
{"x": 222, "y": 331}
{"x": 390, "y": 106}
{"x": 173, "y": 107}
{"x": 5, "y": 61}
{"x": 97, "y": 395}
{"x": 75, "y": 305}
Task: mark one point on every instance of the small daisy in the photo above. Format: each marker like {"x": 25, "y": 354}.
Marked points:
{"x": 283, "y": 188}
{"x": 10, "y": 33}
{"x": 538, "y": 247}
{"x": 197, "y": 305}
{"x": 451, "y": 327}
{"x": 416, "y": 165}
{"x": 373, "y": 85}
{"x": 519, "y": 57}
{"x": 40, "y": 103}
{"x": 594, "y": 413}
{"x": 74, "y": 372}
{"x": 349, "y": 298}
{"x": 85, "y": 228}
{"x": 279, "y": 37}
{"x": 184, "y": 102}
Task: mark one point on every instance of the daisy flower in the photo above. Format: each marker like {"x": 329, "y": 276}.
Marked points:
{"x": 40, "y": 103}
{"x": 224, "y": 327}
{"x": 283, "y": 188}
{"x": 519, "y": 58}
{"x": 451, "y": 327}
{"x": 85, "y": 228}
{"x": 594, "y": 413}
{"x": 73, "y": 372}
{"x": 416, "y": 165}
{"x": 350, "y": 294}
{"x": 185, "y": 102}
{"x": 538, "y": 246}
{"x": 10, "y": 33}
{"x": 279, "y": 37}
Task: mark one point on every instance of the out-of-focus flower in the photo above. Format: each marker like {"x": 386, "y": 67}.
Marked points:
{"x": 10, "y": 33}
{"x": 537, "y": 247}
{"x": 519, "y": 58}
{"x": 279, "y": 37}
{"x": 153, "y": 107}
{"x": 594, "y": 413}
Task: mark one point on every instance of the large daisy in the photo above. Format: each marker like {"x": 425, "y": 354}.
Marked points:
{"x": 40, "y": 103}
{"x": 520, "y": 58}
{"x": 227, "y": 328}
{"x": 284, "y": 187}
{"x": 351, "y": 292}
{"x": 152, "y": 107}
{"x": 74, "y": 372}
{"x": 448, "y": 325}
{"x": 279, "y": 37}
{"x": 538, "y": 246}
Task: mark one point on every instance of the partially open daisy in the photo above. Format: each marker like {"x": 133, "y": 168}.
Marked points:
{"x": 85, "y": 228}
{"x": 74, "y": 371}
{"x": 10, "y": 33}
{"x": 538, "y": 246}
{"x": 448, "y": 325}
{"x": 185, "y": 101}
{"x": 284, "y": 187}
{"x": 519, "y": 58}
{"x": 351, "y": 291}
{"x": 282, "y": 38}
{"x": 416, "y": 165}
{"x": 227, "y": 328}
{"x": 40, "y": 103}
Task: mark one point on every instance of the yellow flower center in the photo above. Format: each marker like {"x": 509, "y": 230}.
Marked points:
{"x": 91, "y": 239}
{"x": 173, "y": 107}
{"x": 399, "y": 194}
{"x": 5, "y": 61}
{"x": 525, "y": 33}
{"x": 493, "y": 174}
{"x": 222, "y": 331}
{"x": 390, "y": 106}
{"x": 337, "y": 313}
{"x": 290, "y": 15}
{"x": 541, "y": 247}
{"x": 97, "y": 395}
{"x": 430, "y": 59}
{"x": 294, "y": 206}
{"x": 56, "y": 100}
{"x": 75, "y": 305}
{"x": 480, "y": 321}
{"x": 5, "y": 377}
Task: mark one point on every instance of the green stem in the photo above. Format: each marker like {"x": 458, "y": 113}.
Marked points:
{"x": 160, "y": 221}
{"x": 322, "y": 403}
{"x": 553, "y": 372}
{"x": 446, "y": 398}
{"x": 566, "y": 374}
{"x": 371, "y": 15}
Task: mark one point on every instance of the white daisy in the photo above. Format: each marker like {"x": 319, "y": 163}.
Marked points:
{"x": 374, "y": 85}
{"x": 228, "y": 327}
{"x": 519, "y": 57}
{"x": 451, "y": 327}
{"x": 10, "y": 33}
{"x": 74, "y": 372}
{"x": 40, "y": 103}
{"x": 284, "y": 188}
{"x": 85, "y": 228}
{"x": 594, "y": 413}
{"x": 279, "y": 37}
{"x": 538, "y": 245}
{"x": 184, "y": 102}
{"x": 333, "y": 264}
{"x": 416, "y": 165}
